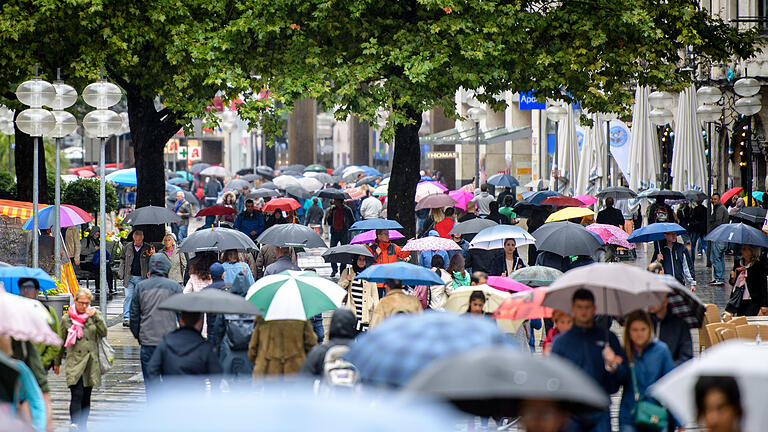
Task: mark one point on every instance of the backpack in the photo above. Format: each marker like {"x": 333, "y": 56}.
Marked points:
{"x": 424, "y": 294}
{"x": 661, "y": 215}
{"x": 238, "y": 331}
{"x": 336, "y": 370}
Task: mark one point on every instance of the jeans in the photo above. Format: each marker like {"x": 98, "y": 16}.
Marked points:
{"x": 697, "y": 238}
{"x": 80, "y": 404}
{"x": 209, "y": 221}
{"x": 317, "y": 326}
{"x": 718, "y": 260}
{"x": 181, "y": 233}
{"x": 145, "y": 355}
{"x": 337, "y": 238}
{"x": 129, "y": 289}
{"x": 593, "y": 422}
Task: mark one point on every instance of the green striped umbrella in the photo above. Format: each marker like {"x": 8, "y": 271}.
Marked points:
{"x": 295, "y": 295}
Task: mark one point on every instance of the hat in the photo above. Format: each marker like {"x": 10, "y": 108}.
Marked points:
{"x": 216, "y": 270}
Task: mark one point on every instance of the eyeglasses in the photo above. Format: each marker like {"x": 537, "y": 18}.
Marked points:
{"x": 83, "y": 303}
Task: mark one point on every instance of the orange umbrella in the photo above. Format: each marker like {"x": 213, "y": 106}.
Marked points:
{"x": 524, "y": 305}
{"x": 284, "y": 204}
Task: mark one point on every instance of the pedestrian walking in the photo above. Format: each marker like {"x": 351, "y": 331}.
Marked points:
{"x": 748, "y": 279}
{"x": 459, "y": 275}
{"x": 234, "y": 333}
{"x": 610, "y": 215}
{"x": 199, "y": 277}
{"x": 228, "y": 200}
{"x": 211, "y": 191}
{"x": 250, "y": 221}
{"x": 385, "y": 252}
{"x": 233, "y": 265}
{"x": 673, "y": 331}
{"x": 279, "y": 347}
{"x": 660, "y": 212}
{"x": 494, "y": 214}
{"x": 435, "y": 216}
{"x": 89, "y": 254}
{"x": 315, "y": 216}
{"x": 339, "y": 218}
{"x": 562, "y": 323}
{"x": 438, "y": 294}
{"x": 674, "y": 257}
{"x": 134, "y": 266}
{"x": 483, "y": 201}
{"x": 183, "y": 209}
{"x": 425, "y": 257}
{"x": 717, "y": 217}
{"x": 395, "y": 301}
{"x": 282, "y": 262}
{"x": 463, "y": 244}
{"x": 81, "y": 328}
{"x": 342, "y": 332}
{"x": 508, "y": 262}
{"x": 177, "y": 259}
{"x": 149, "y": 323}
{"x": 362, "y": 296}
{"x": 371, "y": 207}
{"x": 698, "y": 229}
{"x": 685, "y": 218}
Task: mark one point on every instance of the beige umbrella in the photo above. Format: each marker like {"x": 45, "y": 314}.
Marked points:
{"x": 458, "y": 301}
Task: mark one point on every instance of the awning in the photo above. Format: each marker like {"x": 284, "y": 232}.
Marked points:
{"x": 19, "y": 209}
{"x": 467, "y": 136}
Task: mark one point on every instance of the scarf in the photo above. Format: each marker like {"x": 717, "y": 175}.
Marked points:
{"x": 76, "y": 331}
{"x": 461, "y": 278}
{"x": 178, "y": 204}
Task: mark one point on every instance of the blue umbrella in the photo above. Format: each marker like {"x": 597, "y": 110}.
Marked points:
{"x": 188, "y": 175}
{"x": 123, "y": 177}
{"x": 408, "y": 273}
{"x": 10, "y": 276}
{"x": 426, "y": 178}
{"x": 738, "y": 233}
{"x": 402, "y": 346}
{"x": 540, "y": 196}
{"x": 503, "y": 180}
{"x": 171, "y": 188}
{"x": 370, "y": 224}
{"x": 178, "y": 181}
{"x": 370, "y": 171}
{"x": 654, "y": 232}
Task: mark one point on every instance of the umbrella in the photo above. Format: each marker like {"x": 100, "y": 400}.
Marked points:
{"x": 537, "y": 184}
{"x": 537, "y": 197}
{"x": 569, "y": 213}
{"x": 316, "y": 168}
{"x": 667, "y": 194}
{"x": 494, "y": 381}
{"x": 536, "y": 276}
{"x": 507, "y": 284}
{"x": 186, "y": 175}
{"x": 688, "y": 161}
{"x": 524, "y": 305}
{"x": 367, "y": 180}
{"x": 293, "y": 235}
{"x": 738, "y": 233}
{"x": 370, "y": 171}
{"x": 123, "y": 177}
{"x": 298, "y": 192}
{"x": 355, "y": 193}
{"x": 618, "y": 288}
{"x": 216, "y": 171}
{"x": 250, "y": 177}
{"x": 374, "y": 224}
{"x": 587, "y": 200}
{"x": 333, "y": 194}
{"x": 322, "y": 177}
{"x": 393, "y": 352}
{"x": 593, "y": 157}
{"x": 171, "y": 189}
{"x": 262, "y": 193}
{"x": 461, "y": 197}
{"x": 370, "y": 236}
{"x": 237, "y": 184}
{"x": 178, "y": 181}
{"x": 171, "y": 174}
{"x": 525, "y": 209}
{"x": 458, "y": 301}
{"x": 295, "y": 295}
{"x": 611, "y": 234}
{"x": 151, "y": 215}
{"x": 494, "y": 237}
{"x": 568, "y": 157}
{"x": 268, "y": 185}
{"x": 431, "y": 243}
{"x": 265, "y": 172}
{"x": 69, "y": 215}
{"x": 196, "y": 168}
{"x": 409, "y": 274}
{"x": 209, "y": 301}
{"x": 435, "y": 201}
{"x": 244, "y": 171}
{"x": 427, "y": 188}
{"x": 744, "y": 362}
{"x": 284, "y": 204}
{"x": 751, "y": 214}
{"x": 758, "y": 195}
{"x": 617, "y": 193}
{"x": 646, "y": 193}
{"x": 189, "y": 197}
{"x": 347, "y": 254}
{"x": 86, "y": 174}
{"x": 310, "y": 184}
{"x": 695, "y": 195}
{"x": 216, "y": 210}
{"x": 503, "y": 180}
{"x": 644, "y": 159}
{"x": 381, "y": 190}
{"x": 283, "y": 181}
{"x": 654, "y": 232}
{"x": 25, "y": 320}
{"x": 684, "y": 303}
{"x": 351, "y": 173}
{"x": 10, "y": 276}
{"x": 472, "y": 226}
{"x": 216, "y": 239}
{"x": 565, "y": 239}
{"x": 562, "y": 201}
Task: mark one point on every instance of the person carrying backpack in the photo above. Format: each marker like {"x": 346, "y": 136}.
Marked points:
{"x": 342, "y": 332}
{"x": 234, "y": 333}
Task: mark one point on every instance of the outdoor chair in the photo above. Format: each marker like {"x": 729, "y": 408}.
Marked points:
{"x": 727, "y": 333}
{"x": 738, "y": 321}
{"x": 711, "y": 316}
{"x": 713, "y": 336}
{"x": 750, "y": 331}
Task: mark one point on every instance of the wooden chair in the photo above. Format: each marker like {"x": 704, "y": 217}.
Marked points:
{"x": 749, "y": 331}
{"x": 727, "y": 333}
{"x": 711, "y": 316}
{"x": 711, "y": 330}
{"x": 738, "y": 321}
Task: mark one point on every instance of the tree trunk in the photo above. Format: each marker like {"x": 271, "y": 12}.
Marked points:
{"x": 23, "y": 161}
{"x": 405, "y": 175}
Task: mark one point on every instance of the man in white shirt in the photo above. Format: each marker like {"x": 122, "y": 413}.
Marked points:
{"x": 483, "y": 201}
{"x": 370, "y": 208}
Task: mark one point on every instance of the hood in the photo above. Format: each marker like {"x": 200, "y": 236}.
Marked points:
{"x": 433, "y": 233}
{"x": 343, "y": 324}
{"x": 159, "y": 264}
{"x": 183, "y": 341}
{"x": 240, "y": 285}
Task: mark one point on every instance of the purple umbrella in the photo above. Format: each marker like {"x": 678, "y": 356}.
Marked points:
{"x": 370, "y": 236}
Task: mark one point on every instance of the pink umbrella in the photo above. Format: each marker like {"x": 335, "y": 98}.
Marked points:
{"x": 506, "y": 284}
{"x": 428, "y": 188}
{"x": 462, "y": 197}
{"x": 86, "y": 173}
{"x": 588, "y": 200}
{"x": 25, "y": 319}
{"x": 611, "y": 234}
{"x": 370, "y": 236}
{"x": 431, "y": 243}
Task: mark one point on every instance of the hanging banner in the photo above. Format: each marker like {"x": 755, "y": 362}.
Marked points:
{"x": 619, "y": 139}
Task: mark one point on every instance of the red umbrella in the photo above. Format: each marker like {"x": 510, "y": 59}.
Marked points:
{"x": 86, "y": 174}
{"x": 730, "y": 193}
{"x": 284, "y": 204}
{"x": 562, "y": 201}
{"x": 524, "y": 305}
{"x": 216, "y": 210}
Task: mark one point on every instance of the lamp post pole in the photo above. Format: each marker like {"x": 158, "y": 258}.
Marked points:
{"x": 608, "y": 153}
{"x": 477, "y": 152}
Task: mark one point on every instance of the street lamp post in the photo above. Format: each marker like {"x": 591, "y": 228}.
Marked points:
{"x": 556, "y": 113}
{"x": 477, "y": 114}
{"x": 748, "y": 105}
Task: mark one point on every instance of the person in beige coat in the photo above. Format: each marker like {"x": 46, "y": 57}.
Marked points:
{"x": 178, "y": 260}
{"x": 279, "y": 347}
{"x": 362, "y": 296}
{"x": 395, "y": 302}
{"x": 72, "y": 244}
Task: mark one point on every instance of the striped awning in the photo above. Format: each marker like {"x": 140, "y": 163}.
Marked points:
{"x": 18, "y": 209}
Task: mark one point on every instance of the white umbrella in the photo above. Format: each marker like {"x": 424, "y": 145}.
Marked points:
{"x": 568, "y": 157}
{"x": 493, "y": 237}
{"x": 644, "y": 158}
{"x": 284, "y": 181}
{"x": 592, "y": 158}
{"x": 688, "y": 160}
{"x": 295, "y": 295}
{"x": 310, "y": 184}
{"x": 216, "y": 171}
{"x": 739, "y": 359}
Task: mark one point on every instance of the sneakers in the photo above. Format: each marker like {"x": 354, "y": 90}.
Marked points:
{"x": 126, "y": 323}
{"x": 717, "y": 283}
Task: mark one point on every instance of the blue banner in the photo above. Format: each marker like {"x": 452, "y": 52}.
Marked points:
{"x": 528, "y": 102}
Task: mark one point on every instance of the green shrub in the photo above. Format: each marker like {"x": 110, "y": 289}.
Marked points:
{"x": 84, "y": 193}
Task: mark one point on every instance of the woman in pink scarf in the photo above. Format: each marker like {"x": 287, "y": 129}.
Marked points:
{"x": 81, "y": 328}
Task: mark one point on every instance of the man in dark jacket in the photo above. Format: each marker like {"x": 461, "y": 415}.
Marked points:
{"x": 698, "y": 228}
{"x": 660, "y": 212}
{"x": 217, "y": 282}
{"x": 148, "y": 323}
{"x": 673, "y": 331}
{"x": 250, "y": 222}
{"x": 339, "y": 219}
{"x": 134, "y": 266}
{"x": 342, "y": 332}
{"x": 674, "y": 257}
{"x": 495, "y": 216}
{"x": 183, "y": 210}
{"x": 610, "y": 215}
{"x": 315, "y": 214}
{"x": 718, "y": 217}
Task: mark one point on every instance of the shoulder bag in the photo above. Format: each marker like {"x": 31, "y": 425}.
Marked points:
{"x": 647, "y": 413}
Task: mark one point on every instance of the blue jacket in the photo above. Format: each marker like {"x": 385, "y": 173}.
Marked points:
{"x": 654, "y": 362}
{"x": 425, "y": 257}
{"x": 246, "y": 223}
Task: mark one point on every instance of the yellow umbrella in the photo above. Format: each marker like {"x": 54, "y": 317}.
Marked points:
{"x": 570, "y": 213}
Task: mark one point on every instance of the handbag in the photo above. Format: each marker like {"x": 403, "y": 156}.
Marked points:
{"x": 106, "y": 355}
{"x": 647, "y": 413}
{"x": 734, "y": 300}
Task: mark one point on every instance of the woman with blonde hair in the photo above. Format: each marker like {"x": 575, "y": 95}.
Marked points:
{"x": 177, "y": 259}
{"x": 435, "y": 216}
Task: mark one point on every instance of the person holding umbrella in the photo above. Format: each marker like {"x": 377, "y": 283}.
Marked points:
{"x": 748, "y": 278}
{"x": 674, "y": 257}
{"x": 362, "y": 296}
{"x": 508, "y": 262}
{"x": 183, "y": 209}
{"x": 719, "y": 216}
{"x": 338, "y": 219}
{"x": 660, "y": 212}
{"x": 250, "y": 221}
{"x": 385, "y": 252}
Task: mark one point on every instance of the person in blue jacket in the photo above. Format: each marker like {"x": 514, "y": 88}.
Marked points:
{"x": 250, "y": 222}
{"x": 425, "y": 257}
{"x": 592, "y": 349}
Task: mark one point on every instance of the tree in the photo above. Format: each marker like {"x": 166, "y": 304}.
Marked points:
{"x": 366, "y": 58}
{"x": 84, "y": 193}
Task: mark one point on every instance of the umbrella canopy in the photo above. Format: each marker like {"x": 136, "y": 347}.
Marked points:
{"x": 427, "y": 188}
{"x": 86, "y": 174}
{"x": 536, "y": 276}
{"x": 298, "y": 192}
{"x": 587, "y": 200}
{"x": 568, "y": 157}
{"x": 617, "y": 193}
{"x": 367, "y": 180}
{"x": 216, "y": 210}
{"x": 171, "y": 174}
{"x": 647, "y": 192}
{"x": 310, "y": 184}
{"x": 316, "y": 168}
{"x": 409, "y": 274}
{"x": 347, "y": 254}
{"x": 355, "y": 193}
{"x": 654, "y": 232}
{"x": 644, "y": 158}
{"x": 537, "y": 197}
{"x": 695, "y": 195}
{"x": 237, "y": 184}
{"x": 262, "y": 193}
{"x": 562, "y": 201}
{"x": 333, "y": 194}
{"x": 250, "y": 177}
{"x": 69, "y": 216}
{"x": 592, "y": 159}
{"x": 472, "y": 226}
{"x": 494, "y": 381}
{"x": 461, "y": 197}
{"x": 209, "y": 301}
{"x": 684, "y": 303}
{"x": 667, "y": 194}
{"x": 570, "y": 213}
{"x": 374, "y": 224}
{"x": 611, "y": 234}
{"x": 758, "y": 195}
{"x": 503, "y": 180}
{"x": 265, "y": 171}
{"x": 178, "y": 181}
{"x": 351, "y": 173}
{"x": 435, "y": 201}
{"x": 216, "y": 239}
{"x": 393, "y": 352}
{"x": 10, "y": 276}
{"x": 381, "y": 190}
{"x": 25, "y": 320}
{"x": 283, "y": 181}
{"x": 689, "y": 169}
{"x": 618, "y": 288}
{"x": 293, "y": 235}
{"x": 216, "y": 171}
{"x": 565, "y": 239}
{"x": 751, "y": 214}
{"x": 494, "y": 237}
{"x": 524, "y": 305}
{"x": 322, "y": 177}
{"x": 370, "y": 236}
{"x": 268, "y": 185}
{"x": 123, "y": 177}
{"x": 284, "y": 204}
{"x": 738, "y": 233}
{"x": 537, "y": 184}
{"x": 295, "y": 295}
{"x": 744, "y": 362}
{"x": 458, "y": 301}
{"x": 171, "y": 200}
{"x": 431, "y": 243}
{"x": 729, "y": 194}
{"x": 525, "y": 209}
{"x": 151, "y": 215}
{"x": 196, "y": 168}
{"x": 507, "y": 284}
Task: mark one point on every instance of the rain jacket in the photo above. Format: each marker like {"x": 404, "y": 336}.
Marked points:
{"x": 395, "y": 302}
{"x": 233, "y": 362}
{"x": 279, "y": 347}
{"x": 83, "y": 356}
{"x": 342, "y": 332}
{"x": 126, "y": 259}
{"x": 247, "y": 222}
{"x": 653, "y": 363}
{"x": 390, "y": 253}
{"x": 178, "y": 264}
{"x": 425, "y": 257}
{"x": 673, "y": 331}
{"x": 148, "y": 323}
{"x": 183, "y": 352}
{"x": 370, "y": 295}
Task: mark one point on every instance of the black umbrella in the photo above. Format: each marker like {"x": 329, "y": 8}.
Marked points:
{"x": 237, "y": 184}
{"x": 472, "y": 226}
{"x": 565, "y": 239}
{"x": 293, "y": 235}
{"x": 216, "y": 239}
{"x": 289, "y": 172}
{"x": 245, "y": 171}
{"x": 262, "y": 193}
{"x": 667, "y": 194}
{"x": 265, "y": 172}
{"x": 210, "y": 301}
{"x": 196, "y": 168}
{"x": 751, "y": 214}
{"x": 151, "y": 215}
{"x": 694, "y": 195}
{"x": 525, "y": 209}
{"x": 267, "y": 185}
{"x": 367, "y": 180}
{"x": 347, "y": 254}
{"x": 617, "y": 193}
{"x": 250, "y": 177}
{"x": 332, "y": 193}
{"x": 298, "y": 192}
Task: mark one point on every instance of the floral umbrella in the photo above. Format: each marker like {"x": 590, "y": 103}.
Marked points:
{"x": 431, "y": 244}
{"x": 611, "y": 234}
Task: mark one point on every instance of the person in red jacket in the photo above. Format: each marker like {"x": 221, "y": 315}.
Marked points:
{"x": 385, "y": 252}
